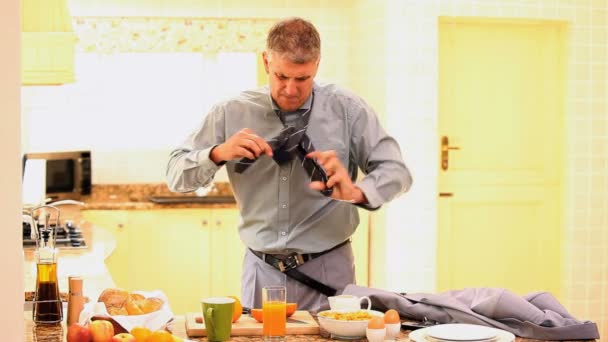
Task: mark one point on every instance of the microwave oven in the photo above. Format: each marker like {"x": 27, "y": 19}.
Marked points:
{"x": 67, "y": 174}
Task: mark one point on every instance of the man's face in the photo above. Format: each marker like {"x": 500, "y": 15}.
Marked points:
{"x": 290, "y": 83}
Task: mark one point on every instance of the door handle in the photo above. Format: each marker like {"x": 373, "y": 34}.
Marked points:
{"x": 445, "y": 152}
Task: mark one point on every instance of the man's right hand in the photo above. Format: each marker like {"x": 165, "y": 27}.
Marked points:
{"x": 243, "y": 144}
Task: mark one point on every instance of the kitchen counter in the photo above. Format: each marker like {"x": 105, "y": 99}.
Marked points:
{"x": 87, "y": 262}
{"x": 177, "y": 326}
{"x": 142, "y": 196}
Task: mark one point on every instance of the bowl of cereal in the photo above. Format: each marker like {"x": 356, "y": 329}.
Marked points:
{"x": 346, "y": 324}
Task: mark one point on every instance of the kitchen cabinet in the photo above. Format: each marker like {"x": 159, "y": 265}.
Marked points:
{"x": 115, "y": 223}
{"x": 187, "y": 253}
{"x": 166, "y": 249}
{"x": 47, "y": 43}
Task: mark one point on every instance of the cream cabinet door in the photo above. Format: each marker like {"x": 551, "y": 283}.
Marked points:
{"x": 165, "y": 249}
{"x": 226, "y": 253}
{"x": 169, "y": 250}
{"x": 116, "y": 223}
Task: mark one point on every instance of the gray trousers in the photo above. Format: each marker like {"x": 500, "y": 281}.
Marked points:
{"x": 335, "y": 269}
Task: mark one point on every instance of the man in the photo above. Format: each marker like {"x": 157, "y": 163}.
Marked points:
{"x": 292, "y": 152}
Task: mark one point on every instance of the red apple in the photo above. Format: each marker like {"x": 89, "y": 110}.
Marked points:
{"x": 102, "y": 331}
{"x": 78, "y": 333}
{"x": 123, "y": 337}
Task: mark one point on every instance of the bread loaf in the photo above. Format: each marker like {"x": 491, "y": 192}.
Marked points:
{"x": 114, "y": 298}
{"x": 121, "y": 302}
{"x": 151, "y": 304}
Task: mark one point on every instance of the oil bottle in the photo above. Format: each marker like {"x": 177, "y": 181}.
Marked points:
{"x": 47, "y": 302}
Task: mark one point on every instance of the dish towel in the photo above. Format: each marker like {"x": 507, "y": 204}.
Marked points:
{"x": 537, "y": 315}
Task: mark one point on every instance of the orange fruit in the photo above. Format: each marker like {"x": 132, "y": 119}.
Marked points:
{"x": 160, "y": 336}
{"x": 257, "y": 314}
{"x": 238, "y": 309}
{"x": 291, "y": 308}
{"x": 140, "y": 333}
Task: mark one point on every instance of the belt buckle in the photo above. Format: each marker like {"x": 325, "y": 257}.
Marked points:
{"x": 292, "y": 261}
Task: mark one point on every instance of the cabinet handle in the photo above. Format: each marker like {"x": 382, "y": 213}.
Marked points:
{"x": 218, "y": 223}
{"x": 204, "y": 222}
{"x": 120, "y": 226}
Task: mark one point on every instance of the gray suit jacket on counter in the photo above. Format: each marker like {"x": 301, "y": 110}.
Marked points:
{"x": 537, "y": 315}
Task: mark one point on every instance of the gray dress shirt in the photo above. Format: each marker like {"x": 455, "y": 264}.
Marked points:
{"x": 279, "y": 212}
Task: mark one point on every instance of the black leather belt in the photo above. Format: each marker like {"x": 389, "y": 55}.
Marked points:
{"x": 288, "y": 263}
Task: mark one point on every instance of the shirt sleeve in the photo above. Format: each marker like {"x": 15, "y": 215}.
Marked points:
{"x": 378, "y": 155}
{"x": 189, "y": 166}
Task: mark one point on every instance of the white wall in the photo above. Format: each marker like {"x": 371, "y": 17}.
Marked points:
{"x": 131, "y": 109}
{"x": 11, "y": 253}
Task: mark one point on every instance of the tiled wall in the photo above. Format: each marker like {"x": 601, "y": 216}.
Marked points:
{"x": 411, "y": 103}
{"x": 332, "y": 18}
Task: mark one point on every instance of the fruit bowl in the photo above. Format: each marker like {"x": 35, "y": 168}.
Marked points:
{"x": 347, "y": 325}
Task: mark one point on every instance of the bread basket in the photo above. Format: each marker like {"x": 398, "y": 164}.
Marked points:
{"x": 155, "y": 320}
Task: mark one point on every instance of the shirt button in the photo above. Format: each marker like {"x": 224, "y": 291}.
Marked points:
{"x": 283, "y": 206}
{"x": 284, "y": 178}
{"x": 283, "y": 233}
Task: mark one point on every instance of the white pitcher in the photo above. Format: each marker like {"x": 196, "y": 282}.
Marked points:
{"x": 348, "y": 303}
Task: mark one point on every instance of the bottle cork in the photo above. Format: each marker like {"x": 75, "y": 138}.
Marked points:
{"x": 75, "y": 299}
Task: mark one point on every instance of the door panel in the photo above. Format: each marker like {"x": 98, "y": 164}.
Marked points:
{"x": 501, "y": 104}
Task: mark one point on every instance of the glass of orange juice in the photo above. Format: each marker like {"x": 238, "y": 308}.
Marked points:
{"x": 274, "y": 303}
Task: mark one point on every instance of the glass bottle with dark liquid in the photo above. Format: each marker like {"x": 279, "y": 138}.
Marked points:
{"x": 47, "y": 303}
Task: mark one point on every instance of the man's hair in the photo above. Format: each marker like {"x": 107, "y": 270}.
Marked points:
{"x": 294, "y": 38}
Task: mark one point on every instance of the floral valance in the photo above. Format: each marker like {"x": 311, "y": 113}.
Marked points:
{"x": 163, "y": 34}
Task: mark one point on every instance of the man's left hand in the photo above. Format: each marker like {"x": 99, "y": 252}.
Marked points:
{"x": 338, "y": 178}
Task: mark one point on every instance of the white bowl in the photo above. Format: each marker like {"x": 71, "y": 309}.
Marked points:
{"x": 345, "y": 328}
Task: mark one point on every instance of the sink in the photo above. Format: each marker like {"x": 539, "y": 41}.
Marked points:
{"x": 191, "y": 199}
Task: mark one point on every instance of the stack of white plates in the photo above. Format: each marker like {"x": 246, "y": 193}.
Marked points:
{"x": 461, "y": 333}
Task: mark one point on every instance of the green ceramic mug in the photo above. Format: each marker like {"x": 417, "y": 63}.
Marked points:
{"x": 217, "y": 313}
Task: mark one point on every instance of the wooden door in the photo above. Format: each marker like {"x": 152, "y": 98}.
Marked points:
{"x": 501, "y": 130}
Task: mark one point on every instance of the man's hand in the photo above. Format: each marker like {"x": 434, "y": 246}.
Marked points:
{"x": 243, "y": 144}
{"x": 338, "y": 178}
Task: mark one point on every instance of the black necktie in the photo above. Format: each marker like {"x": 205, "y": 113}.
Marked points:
{"x": 290, "y": 142}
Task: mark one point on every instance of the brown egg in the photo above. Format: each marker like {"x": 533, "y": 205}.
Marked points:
{"x": 391, "y": 316}
{"x": 376, "y": 323}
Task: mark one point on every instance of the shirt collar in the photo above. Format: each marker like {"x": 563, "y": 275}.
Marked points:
{"x": 305, "y": 106}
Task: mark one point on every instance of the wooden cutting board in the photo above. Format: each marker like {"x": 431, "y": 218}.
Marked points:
{"x": 300, "y": 323}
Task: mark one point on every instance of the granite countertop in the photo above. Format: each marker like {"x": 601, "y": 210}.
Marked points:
{"x": 147, "y": 196}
